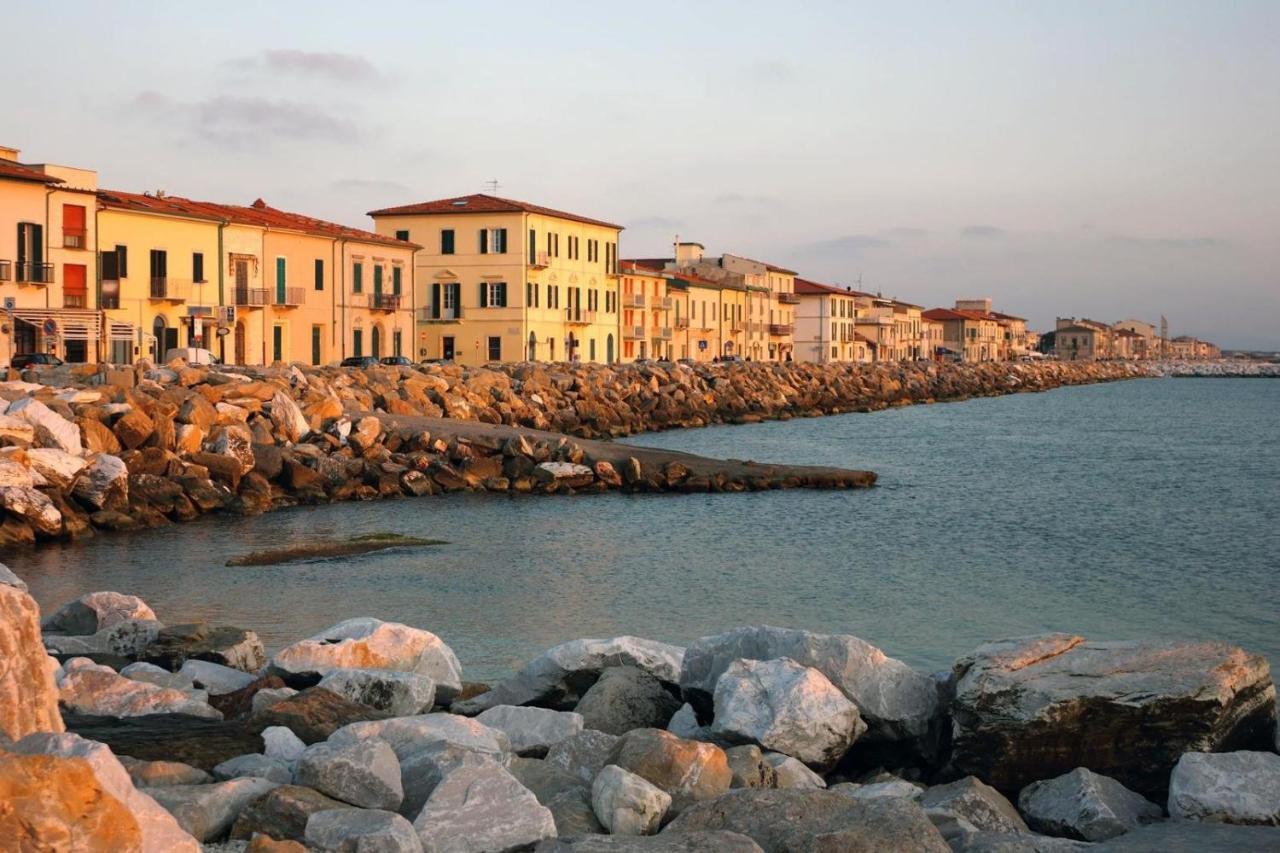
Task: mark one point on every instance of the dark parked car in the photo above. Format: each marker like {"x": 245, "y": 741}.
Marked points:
{"x": 24, "y": 360}
{"x": 436, "y": 361}
{"x": 360, "y": 361}
{"x": 397, "y": 361}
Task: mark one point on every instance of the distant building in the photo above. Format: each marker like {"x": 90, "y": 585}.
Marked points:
{"x": 826, "y": 324}
{"x": 1078, "y": 342}
{"x": 970, "y": 335}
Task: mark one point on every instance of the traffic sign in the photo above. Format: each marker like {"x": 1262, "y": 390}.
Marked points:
{"x": 50, "y": 327}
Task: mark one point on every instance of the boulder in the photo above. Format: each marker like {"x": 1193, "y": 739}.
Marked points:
{"x": 1041, "y": 706}
{"x": 970, "y": 799}
{"x": 34, "y": 507}
{"x": 53, "y": 803}
{"x": 1177, "y": 836}
{"x": 400, "y": 693}
{"x": 57, "y": 466}
{"x": 124, "y": 640}
{"x": 971, "y": 841}
{"x": 103, "y": 693}
{"x": 208, "y": 811}
{"x": 371, "y": 644}
{"x": 689, "y": 770}
{"x": 282, "y": 813}
{"x": 531, "y": 731}
{"x": 239, "y": 703}
{"x": 268, "y": 696}
{"x": 200, "y": 742}
{"x": 50, "y": 428}
{"x": 14, "y": 473}
{"x": 96, "y": 611}
{"x": 8, "y": 578}
{"x": 16, "y": 432}
{"x": 313, "y": 714}
{"x": 796, "y": 820}
{"x": 422, "y": 769}
{"x": 157, "y": 774}
{"x": 104, "y": 484}
{"x": 749, "y": 768}
{"x": 688, "y": 842}
{"x": 684, "y": 723}
{"x": 152, "y": 674}
{"x": 1084, "y": 805}
{"x": 360, "y": 830}
{"x": 256, "y": 766}
{"x": 282, "y": 744}
{"x": 564, "y": 794}
{"x": 791, "y": 772}
{"x": 482, "y": 809}
{"x": 216, "y": 679}
{"x": 157, "y": 830}
{"x": 627, "y": 804}
{"x": 584, "y": 754}
{"x": 407, "y": 735}
{"x": 559, "y": 676}
{"x": 626, "y": 698}
{"x": 1229, "y": 787}
{"x": 288, "y": 418}
{"x": 363, "y": 773}
{"x": 785, "y": 707}
{"x": 225, "y": 645}
{"x": 28, "y": 694}
{"x": 234, "y": 441}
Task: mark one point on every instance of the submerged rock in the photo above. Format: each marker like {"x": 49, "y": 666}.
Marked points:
{"x": 96, "y": 611}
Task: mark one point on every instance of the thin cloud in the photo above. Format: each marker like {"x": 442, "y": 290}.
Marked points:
{"x": 369, "y": 185}
{"x": 848, "y": 243}
{"x": 1167, "y": 242}
{"x": 983, "y": 232}
{"x": 736, "y": 198}
{"x": 235, "y": 121}
{"x": 905, "y": 233}
{"x": 331, "y": 65}
{"x": 655, "y": 222}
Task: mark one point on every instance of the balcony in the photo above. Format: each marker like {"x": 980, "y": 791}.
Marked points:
{"x": 578, "y": 317}
{"x": 250, "y": 297}
{"x": 385, "y": 302}
{"x": 664, "y": 303}
{"x": 288, "y": 297}
{"x": 780, "y": 329}
{"x": 30, "y": 273}
{"x": 735, "y": 326}
{"x": 168, "y": 289}
{"x": 540, "y": 261}
{"x": 75, "y": 300}
{"x": 662, "y": 334}
{"x": 6, "y": 270}
{"x": 682, "y": 322}
{"x": 789, "y": 298}
{"x": 633, "y": 333}
{"x": 633, "y": 300}
{"x": 74, "y": 238}
{"x": 447, "y": 315}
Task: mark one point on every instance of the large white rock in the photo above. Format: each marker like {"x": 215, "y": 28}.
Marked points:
{"x": 234, "y": 440}
{"x": 364, "y": 773}
{"x": 895, "y": 701}
{"x": 94, "y": 611}
{"x": 584, "y": 754}
{"x": 1084, "y": 805}
{"x": 972, "y": 800}
{"x": 160, "y": 832}
{"x": 361, "y": 831}
{"x": 532, "y": 731}
{"x": 552, "y": 677}
{"x": 785, "y": 707}
{"x": 254, "y": 765}
{"x": 422, "y": 770}
{"x": 626, "y": 804}
{"x": 1226, "y": 787}
{"x": 104, "y": 482}
{"x": 214, "y": 677}
{"x": 207, "y": 811}
{"x": 401, "y": 693}
{"x": 34, "y": 507}
{"x": 17, "y": 432}
{"x": 407, "y": 735}
{"x": 792, "y": 772}
{"x": 475, "y": 809}
{"x": 282, "y": 744}
{"x": 288, "y": 418}
{"x": 108, "y": 694}
{"x": 28, "y": 689}
{"x": 127, "y": 639}
{"x": 57, "y": 466}
{"x": 51, "y": 428}
{"x": 368, "y": 643}
{"x": 149, "y": 673}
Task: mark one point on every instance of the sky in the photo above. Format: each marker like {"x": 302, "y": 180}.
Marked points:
{"x": 1091, "y": 159}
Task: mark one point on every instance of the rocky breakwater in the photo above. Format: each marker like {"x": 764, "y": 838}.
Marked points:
{"x": 1220, "y": 368}
{"x": 367, "y": 736}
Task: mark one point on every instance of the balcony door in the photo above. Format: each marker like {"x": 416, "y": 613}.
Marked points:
{"x": 280, "y": 281}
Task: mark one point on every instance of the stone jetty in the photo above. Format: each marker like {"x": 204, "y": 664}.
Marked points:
{"x": 368, "y": 736}
{"x": 99, "y": 448}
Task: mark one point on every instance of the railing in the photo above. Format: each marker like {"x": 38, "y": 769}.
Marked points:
{"x": 293, "y": 297}
{"x": 633, "y": 300}
{"x": 735, "y": 326}
{"x": 779, "y": 328}
{"x": 75, "y": 300}
{"x": 633, "y": 333}
{"x": 578, "y": 317}
{"x": 74, "y": 238}
{"x": 31, "y": 273}
{"x": 163, "y": 287}
{"x": 664, "y": 303}
{"x": 789, "y": 298}
{"x": 109, "y": 301}
{"x": 447, "y": 315}
{"x": 6, "y": 270}
{"x": 663, "y": 334}
{"x": 385, "y": 302}
{"x": 541, "y": 260}
{"x": 682, "y": 322}
{"x": 251, "y": 297}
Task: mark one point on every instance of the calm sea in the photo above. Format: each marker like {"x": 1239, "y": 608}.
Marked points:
{"x": 1142, "y": 509}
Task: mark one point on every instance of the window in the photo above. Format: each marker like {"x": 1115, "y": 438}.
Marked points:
{"x": 493, "y": 294}
{"x": 317, "y": 333}
{"x": 357, "y": 342}
{"x": 532, "y": 294}
{"x": 377, "y": 278}
{"x": 493, "y": 241}
{"x": 555, "y": 244}
{"x": 319, "y": 277}
{"x": 533, "y": 246}
{"x": 197, "y": 267}
{"x": 396, "y": 275}
{"x": 357, "y": 277}
{"x": 495, "y": 348}
{"x": 281, "y": 280}
{"x": 592, "y": 347}
{"x": 446, "y": 241}
{"x": 403, "y": 235}
{"x": 110, "y": 265}
{"x": 277, "y": 343}
{"x": 73, "y": 227}
{"x": 159, "y": 272}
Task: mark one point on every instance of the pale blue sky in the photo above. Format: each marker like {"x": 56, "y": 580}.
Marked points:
{"x": 1104, "y": 159}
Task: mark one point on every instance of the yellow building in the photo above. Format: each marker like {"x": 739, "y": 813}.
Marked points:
{"x": 253, "y": 284}
{"x": 647, "y": 314}
{"x": 826, "y": 324}
{"x": 503, "y": 280}
{"x": 47, "y": 241}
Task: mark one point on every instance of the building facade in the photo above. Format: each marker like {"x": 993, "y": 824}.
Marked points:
{"x": 826, "y": 328}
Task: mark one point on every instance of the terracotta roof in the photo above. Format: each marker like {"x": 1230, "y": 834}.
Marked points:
{"x": 770, "y": 267}
{"x": 951, "y": 314}
{"x": 18, "y": 172}
{"x": 803, "y": 285}
{"x": 639, "y": 268}
{"x": 481, "y": 203}
{"x": 258, "y": 214}
{"x": 1007, "y": 316}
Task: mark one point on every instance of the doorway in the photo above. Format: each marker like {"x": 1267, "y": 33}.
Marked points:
{"x": 533, "y": 347}
{"x": 166, "y": 336}
{"x": 608, "y": 349}
{"x": 446, "y": 349}
{"x": 241, "y": 343}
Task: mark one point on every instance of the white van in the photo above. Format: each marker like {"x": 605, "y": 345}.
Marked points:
{"x": 192, "y": 355}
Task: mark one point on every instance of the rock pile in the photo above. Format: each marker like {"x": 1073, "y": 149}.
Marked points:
{"x": 373, "y": 745}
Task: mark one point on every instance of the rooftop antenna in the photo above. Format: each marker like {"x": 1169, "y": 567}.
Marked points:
{"x": 492, "y": 185}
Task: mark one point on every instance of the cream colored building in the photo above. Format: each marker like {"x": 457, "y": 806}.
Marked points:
{"x": 504, "y": 280}
{"x": 648, "y": 312}
{"x": 826, "y": 324}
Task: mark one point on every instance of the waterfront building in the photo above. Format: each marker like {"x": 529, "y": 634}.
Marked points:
{"x": 1099, "y": 341}
{"x": 1078, "y": 342}
{"x": 254, "y": 284}
{"x": 1146, "y": 342}
{"x": 826, "y": 324}
{"x": 648, "y": 314}
{"x": 932, "y": 332}
{"x": 47, "y": 242}
{"x": 908, "y": 336}
{"x": 504, "y": 280}
{"x": 972, "y": 335}
{"x": 876, "y": 323}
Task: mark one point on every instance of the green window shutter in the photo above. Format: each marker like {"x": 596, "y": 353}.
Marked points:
{"x": 357, "y": 277}
{"x": 484, "y": 241}
{"x": 122, "y": 253}
{"x": 484, "y": 295}
{"x": 319, "y": 274}
{"x": 502, "y": 241}
{"x": 280, "y": 266}
{"x": 37, "y": 244}
{"x": 533, "y": 246}
{"x": 22, "y": 243}
{"x": 377, "y": 278}
{"x": 446, "y": 241}
{"x": 435, "y": 301}
{"x": 395, "y": 280}
{"x": 502, "y": 294}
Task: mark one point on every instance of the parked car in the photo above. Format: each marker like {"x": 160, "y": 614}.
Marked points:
{"x": 397, "y": 361}
{"x": 23, "y": 360}
{"x": 192, "y": 355}
{"x": 436, "y": 361}
{"x": 360, "y": 361}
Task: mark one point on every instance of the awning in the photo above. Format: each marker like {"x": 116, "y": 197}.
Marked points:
{"x": 72, "y": 324}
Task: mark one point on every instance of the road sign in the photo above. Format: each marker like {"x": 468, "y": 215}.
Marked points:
{"x": 10, "y": 303}
{"x": 223, "y": 330}
{"x": 702, "y": 344}
{"x": 50, "y": 327}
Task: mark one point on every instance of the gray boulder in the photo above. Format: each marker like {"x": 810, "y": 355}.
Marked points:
{"x": 361, "y": 831}
{"x": 976, "y": 802}
{"x": 531, "y": 731}
{"x": 559, "y": 676}
{"x": 408, "y": 735}
{"x": 684, "y": 723}
{"x": 400, "y": 693}
{"x": 421, "y": 771}
{"x": 476, "y": 809}
{"x": 96, "y": 611}
{"x": 785, "y": 707}
{"x": 690, "y": 842}
{"x": 1228, "y": 787}
{"x": 627, "y": 804}
{"x": 208, "y": 811}
{"x": 282, "y": 813}
{"x": 894, "y": 788}
{"x": 1018, "y": 842}
{"x": 1176, "y": 836}
{"x": 749, "y": 768}
{"x": 1085, "y": 805}
{"x": 216, "y": 678}
{"x": 582, "y": 755}
{"x": 254, "y": 765}
{"x": 365, "y": 773}
{"x": 282, "y": 744}
{"x": 626, "y": 698}
{"x": 689, "y": 770}
{"x": 1033, "y": 707}
{"x": 791, "y": 772}
{"x": 566, "y": 796}
{"x": 126, "y": 639}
